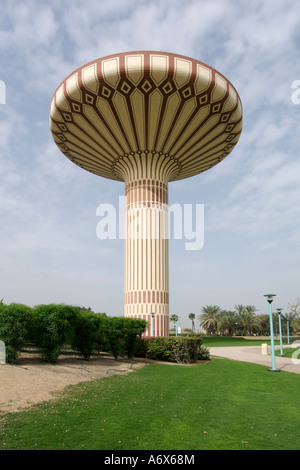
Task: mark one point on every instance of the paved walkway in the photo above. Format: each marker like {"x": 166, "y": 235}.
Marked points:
{"x": 254, "y": 354}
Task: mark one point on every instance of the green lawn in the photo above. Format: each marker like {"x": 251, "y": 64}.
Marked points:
{"x": 221, "y": 404}
{"x": 214, "y": 341}
{"x": 289, "y": 352}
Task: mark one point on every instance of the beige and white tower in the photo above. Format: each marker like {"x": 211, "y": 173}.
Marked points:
{"x": 146, "y": 118}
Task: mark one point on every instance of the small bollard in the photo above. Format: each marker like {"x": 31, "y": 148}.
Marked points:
{"x": 2, "y": 353}
{"x": 264, "y": 349}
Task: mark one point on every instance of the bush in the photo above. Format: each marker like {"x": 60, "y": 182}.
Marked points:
{"x": 121, "y": 335}
{"x": 174, "y": 349}
{"x": 14, "y": 322}
{"x": 52, "y": 327}
{"x": 132, "y": 329}
{"x": 160, "y": 348}
{"x": 113, "y": 337}
{"x": 141, "y": 347}
{"x": 87, "y": 333}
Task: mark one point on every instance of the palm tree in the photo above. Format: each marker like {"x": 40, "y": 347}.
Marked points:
{"x": 239, "y": 308}
{"x": 174, "y": 318}
{"x": 251, "y": 309}
{"x": 247, "y": 321}
{"x": 209, "y": 318}
{"x": 227, "y": 322}
{"x": 294, "y": 321}
{"x": 264, "y": 324}
{"x": 192, "y": 317}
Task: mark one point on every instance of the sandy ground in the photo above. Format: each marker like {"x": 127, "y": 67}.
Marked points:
{"x": 30, "y": 380}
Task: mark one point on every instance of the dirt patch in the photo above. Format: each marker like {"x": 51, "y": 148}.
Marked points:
{"x": 31, "y": 380}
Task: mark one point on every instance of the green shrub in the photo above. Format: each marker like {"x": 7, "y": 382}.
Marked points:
{"x": 173, "y": 349}
{"x": 121, "y": 335}
{"x": 160, "y": 348}
{"x": 113, "y": 337}
{"x": 53, "y": 326}
{"x": 189, "y": 348}
{"x": 132, "y": 329}
{"x": 141, "y": 347}
{"x": 14, "y": 322}
{"x": 87, "y": 333}
{"x": 204, "y": 353}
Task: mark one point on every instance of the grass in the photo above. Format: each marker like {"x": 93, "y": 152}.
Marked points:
{"x": 289, "y": 352}
{"x": 222, "y": 341}
{"x": 220, "y": 404}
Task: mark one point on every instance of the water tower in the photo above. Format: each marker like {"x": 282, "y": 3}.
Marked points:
{"x": 146, "y": 118}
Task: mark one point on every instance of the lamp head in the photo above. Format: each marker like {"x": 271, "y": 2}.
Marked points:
{"x": 270, "y": 297}
{"x": 279, "y": 310}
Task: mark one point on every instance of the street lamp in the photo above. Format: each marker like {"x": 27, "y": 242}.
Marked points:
{"x": 270, "y": 300}
{"x": 279, "y": 310}
{"x": 152, "y": 315}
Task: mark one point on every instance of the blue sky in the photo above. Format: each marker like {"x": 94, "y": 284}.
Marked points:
{"x": 49, "y": 251}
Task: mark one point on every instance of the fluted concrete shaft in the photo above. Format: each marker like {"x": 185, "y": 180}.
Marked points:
{"x": 146, "y": 254}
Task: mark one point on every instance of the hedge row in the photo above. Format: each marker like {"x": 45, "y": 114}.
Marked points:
{"x": 53, "y": 326}
{"x": 174, "y": 349}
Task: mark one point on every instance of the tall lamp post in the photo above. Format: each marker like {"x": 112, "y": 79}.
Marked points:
{"x": 270, "y": 300}
{"x": 152, "y": 316}
{"x": 279, "y": 310}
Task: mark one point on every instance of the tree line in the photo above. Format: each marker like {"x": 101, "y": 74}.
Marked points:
{"x": 243, "y": 320}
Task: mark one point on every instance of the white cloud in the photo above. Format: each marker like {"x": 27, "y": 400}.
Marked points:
{"x": 48, "y": 205}
{"x": 29, "y": 25}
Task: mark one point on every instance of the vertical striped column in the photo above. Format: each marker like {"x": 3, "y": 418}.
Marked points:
{"x": 146, "y": 253}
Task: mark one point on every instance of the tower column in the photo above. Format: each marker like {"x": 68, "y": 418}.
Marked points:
{"x": 146, "y": 254}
